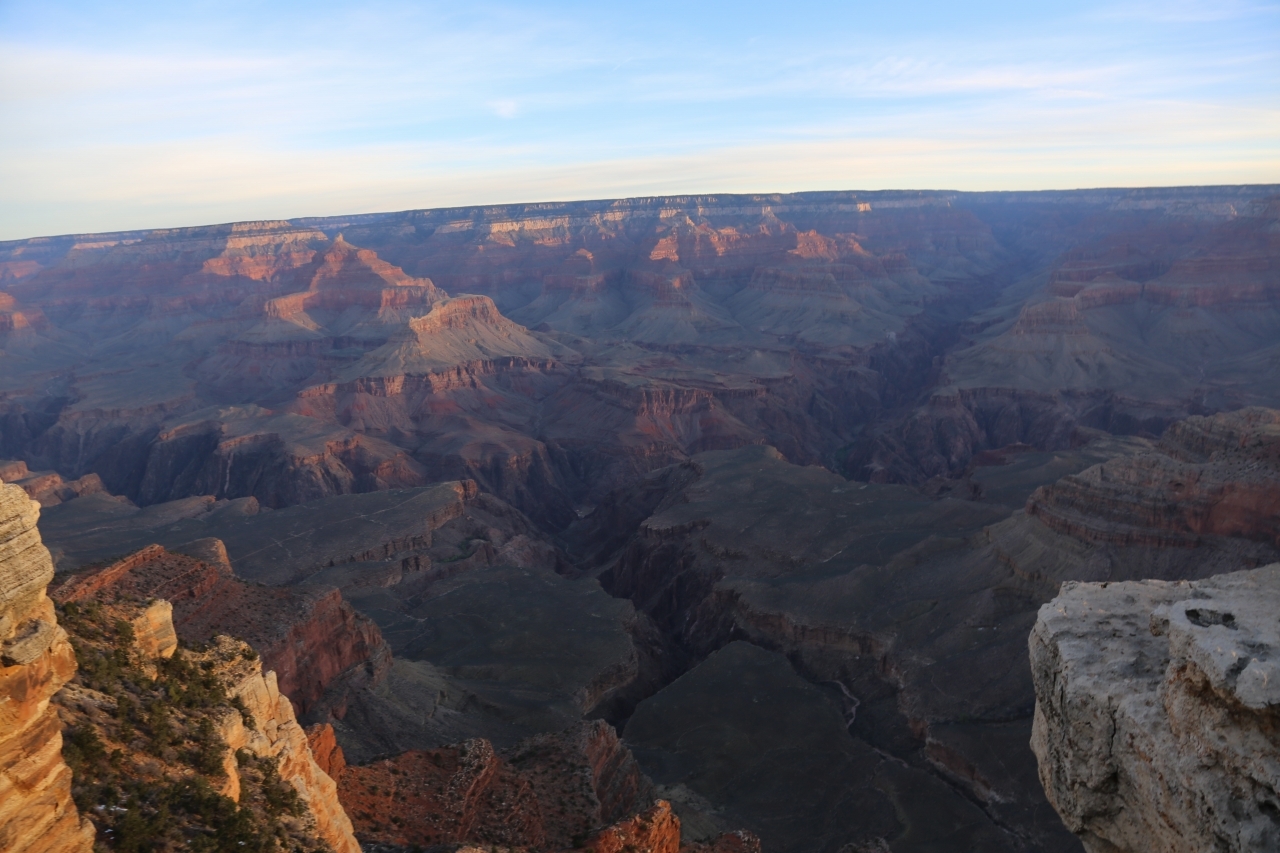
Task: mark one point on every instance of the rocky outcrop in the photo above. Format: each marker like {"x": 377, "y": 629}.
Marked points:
{"x": 320, "y": 648}
{"x": 580, "y": 788}
{"x": 1157, "y": 723}
{"x": 165, "y": 742}
{"x": 48, "y": 487}
{"x": 153, "y": 631}
{"x": 1208, "y": 476}
{"x": 655, "y": 830}
{"x": 275, "y": 733}
{"x": 37, "y": 814}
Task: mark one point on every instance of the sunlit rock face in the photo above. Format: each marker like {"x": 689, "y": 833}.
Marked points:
{"x": 36, "y": 811}
{"x": 1156, "y": 712}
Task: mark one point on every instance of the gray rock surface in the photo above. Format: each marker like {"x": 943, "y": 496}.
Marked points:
{"x": 1157, "y": 723}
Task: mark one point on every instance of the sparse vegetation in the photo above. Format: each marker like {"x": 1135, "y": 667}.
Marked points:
{"x": 147, "y": 756}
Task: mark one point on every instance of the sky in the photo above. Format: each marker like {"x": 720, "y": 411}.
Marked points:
{"x": 137, "y": 115}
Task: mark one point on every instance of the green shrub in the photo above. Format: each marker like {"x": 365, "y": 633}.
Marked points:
{"x": 209, "y": 750}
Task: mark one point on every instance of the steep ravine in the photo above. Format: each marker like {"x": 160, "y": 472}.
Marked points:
{"x": 911, "y": 612}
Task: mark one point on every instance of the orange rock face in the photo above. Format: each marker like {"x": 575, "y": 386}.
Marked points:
{"x": 36, "y": 811}
{"x": 325, "y": 750}
{"x": 548, "y": 792}
{"x": 657, "y": 830}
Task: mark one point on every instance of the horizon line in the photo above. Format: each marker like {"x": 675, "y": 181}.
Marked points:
{"x": 312, "y": 218}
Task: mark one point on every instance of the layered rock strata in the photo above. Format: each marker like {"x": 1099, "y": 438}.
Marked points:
{"x": 48, "y": 487}
{"x": 1207, "y": 477}
{"x": 37, "y": 814}
{"x": 1157, "y": 723}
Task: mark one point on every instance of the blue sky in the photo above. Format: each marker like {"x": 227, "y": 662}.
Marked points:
{"x": 148, "y": 115}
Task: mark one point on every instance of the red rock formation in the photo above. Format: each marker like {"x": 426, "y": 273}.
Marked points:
{"x": 550, "y": 792}
{"x": 343, "y": 277}
{"x": 311, "y": 638}
{"x": 324, "y": 748}
{"x": 463, "y": 793}
{"x": 655, "y": 830}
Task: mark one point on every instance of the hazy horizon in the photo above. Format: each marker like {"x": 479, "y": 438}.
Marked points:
{"x": 599, "y": 199}
{"x": 151, "y": 116}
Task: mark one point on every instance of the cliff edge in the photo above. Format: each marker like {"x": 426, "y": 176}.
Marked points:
{"x": 36, "y": 659}
{"x": 1157, "y": 722}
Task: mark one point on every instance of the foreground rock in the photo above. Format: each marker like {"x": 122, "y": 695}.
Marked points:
{"x": 320, "y": 648}
{"x": 168, "y": 743}
{"x": 1157, "y": 723}
{"x": 36, "y": 810}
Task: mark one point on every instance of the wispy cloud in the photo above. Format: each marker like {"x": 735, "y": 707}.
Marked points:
{"x": 158, "y": 115}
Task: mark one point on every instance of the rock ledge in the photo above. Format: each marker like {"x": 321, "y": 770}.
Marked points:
{"x": 1157, "y": 723}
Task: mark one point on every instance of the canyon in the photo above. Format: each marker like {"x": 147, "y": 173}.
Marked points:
{"x": 703, "y": 523}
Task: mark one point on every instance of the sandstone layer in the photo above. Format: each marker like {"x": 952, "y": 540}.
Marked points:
{"x": 37, "y": 814}
{"x": 1208, "y": 477}
{"x": 1157, "y": 710}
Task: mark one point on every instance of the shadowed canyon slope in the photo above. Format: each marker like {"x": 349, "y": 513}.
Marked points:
{"x": 771, "y": 488}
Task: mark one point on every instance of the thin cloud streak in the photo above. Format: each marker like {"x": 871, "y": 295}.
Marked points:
{"x": 160, "y": 115}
